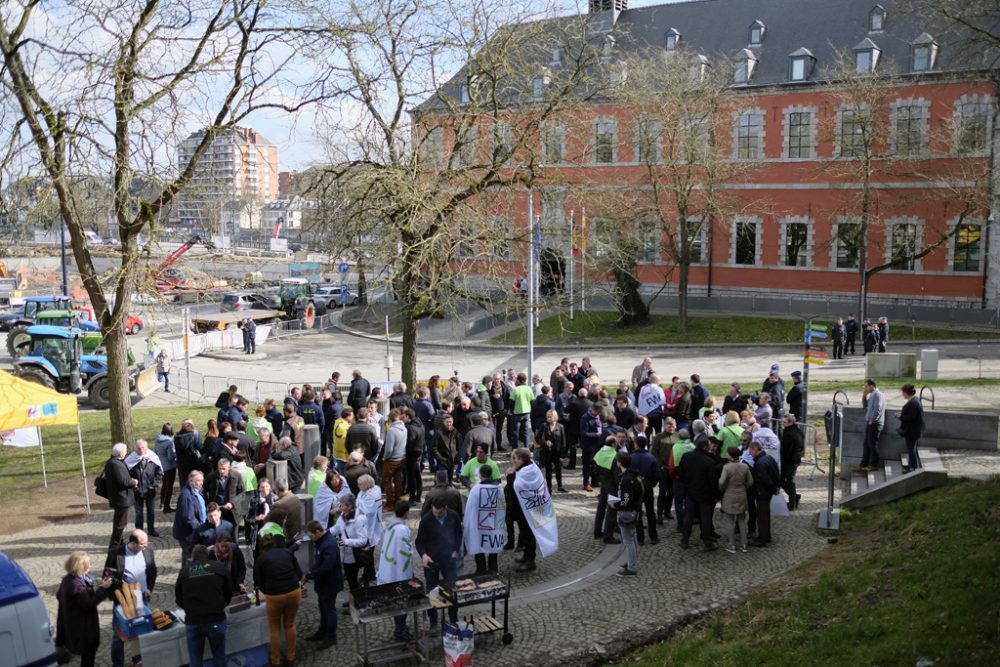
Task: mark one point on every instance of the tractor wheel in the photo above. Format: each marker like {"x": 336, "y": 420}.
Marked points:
{"x": 99, "y": 393}
{"x": 18, "y": 341}
{"x": 309, "y": 315}
{"x": 36, "y": 375}
{"x": 134, "y": 329}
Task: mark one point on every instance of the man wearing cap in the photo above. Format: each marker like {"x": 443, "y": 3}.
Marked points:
{"x": 796, "y": 395}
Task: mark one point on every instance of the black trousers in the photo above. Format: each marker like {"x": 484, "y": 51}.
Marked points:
{"x": 486, "y": 563}
{"x": 572, "y": 440}
{"x": 607, "y": 517}
{"x": 665, "y": 497}
{"x": 647, "y": 516}
{"x": 118, "y": 526}
{"x": 849, "y": 345}
{"x": 414, "y": 484}
{"x": 704, "y": 512}
{"x": 838, "y": 349}
{"x": 551, "y": 462}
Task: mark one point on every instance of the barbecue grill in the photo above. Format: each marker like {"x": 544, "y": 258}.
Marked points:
{"x": 375, "y": 604}
{"x": 482, "y": 588}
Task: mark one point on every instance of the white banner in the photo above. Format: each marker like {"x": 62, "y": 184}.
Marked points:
{"x": 485, "y": 527}
{"x": 536, "y": 501}
{"x": 21, "y": 437}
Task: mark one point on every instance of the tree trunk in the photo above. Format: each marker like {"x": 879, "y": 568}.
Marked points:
{"x": 408, "y": 367}
{"x": 120, "y": 408}
{"x": 632, "y": 309}
{"x": 362, "y": 284}
{"x": 682, "y": 297}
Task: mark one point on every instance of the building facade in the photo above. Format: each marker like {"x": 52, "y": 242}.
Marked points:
{"x": 792, "y": 218}
{"x": 236, "y": 177}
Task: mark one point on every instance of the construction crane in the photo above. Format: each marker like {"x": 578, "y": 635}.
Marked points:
{"x": 166, "y": 278}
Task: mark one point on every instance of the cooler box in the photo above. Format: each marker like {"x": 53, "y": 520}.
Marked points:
{"x": 130, "y": 628}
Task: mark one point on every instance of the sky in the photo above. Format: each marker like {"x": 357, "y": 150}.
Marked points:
{"x": 298, "y": 140}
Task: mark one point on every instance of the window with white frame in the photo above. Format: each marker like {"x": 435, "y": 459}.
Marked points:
{"x": 967, "y": 243}
{"x": 848, "y": 244}
{"x": 554, "y": 144}
{"x": 909, "y": 129}
{"x": 866, "y": 56}
{"x": 697, "y": 233}
{"x": 746, "y": 242}
{"x": 648, "y": 137}
{"x": 467, "y": 143}
{"x": 756, "y": 33}
{"x": 750, "y": 136}
{"x": 923, "y": 53}
{"x": 800, "y": 134}
{"x": 973, "y": 119}
{"x": 800, "y": 65}
{"x": 699, "y": 68}
{"x": 876, "y": 19}
{"x": 463, "y": 94}
{"x": 671, "y": 39}
{"x": 538, "y": 86}
{"x": 795, "y": 242}
{"x": 746, "y": 64}
{"x": 605, "y": 141}
{"x": 649, "y": 234}
{"x": 903, "y": 244}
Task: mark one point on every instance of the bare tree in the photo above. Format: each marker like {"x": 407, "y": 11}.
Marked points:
{"x": 683, "y": 103}
{"x": 106, "y": 87}
{"x": 420, "y": 148}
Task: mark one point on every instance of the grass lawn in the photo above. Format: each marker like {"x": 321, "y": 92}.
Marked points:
{"x": 599, "y": 327}
{"x": 21, "y": 469}
{"x": 906, "y": 581}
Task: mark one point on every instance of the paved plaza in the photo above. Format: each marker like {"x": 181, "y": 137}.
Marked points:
{"x": 572, "y": 610}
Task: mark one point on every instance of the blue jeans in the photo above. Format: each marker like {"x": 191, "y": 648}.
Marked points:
{"x": 117, "y": 651}
{"x": 215, "y": 633}
{"x": 435, "y": 574}
{"x": 520, "y": 430}
{"x": 140, "y": 517}
{"x": 164, "y": 378}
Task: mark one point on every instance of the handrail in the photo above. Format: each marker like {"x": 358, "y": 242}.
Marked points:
{"x": 931, "y": 389}
{"x": 847, "y": 399}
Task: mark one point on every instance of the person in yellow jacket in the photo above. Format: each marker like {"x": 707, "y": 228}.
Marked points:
{"x": 340, "y": 453}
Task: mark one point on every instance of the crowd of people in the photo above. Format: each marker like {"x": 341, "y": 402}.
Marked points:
{"x": 653, "y": 453}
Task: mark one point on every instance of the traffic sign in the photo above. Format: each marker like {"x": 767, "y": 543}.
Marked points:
{"x": 815, "y": 362}
{"x": 343, "y": 295}
{"x": 815, "y": 334}
{"x": 343, "y": 267}
{"x": 816, "y": 355}
{"x": 816, "y": 327}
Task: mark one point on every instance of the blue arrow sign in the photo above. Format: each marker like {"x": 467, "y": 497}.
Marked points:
{"x": 343, "y": 267}
{"x": 816, "y": 334}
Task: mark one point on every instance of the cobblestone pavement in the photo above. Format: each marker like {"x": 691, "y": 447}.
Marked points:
{"x": 573, "y": 604}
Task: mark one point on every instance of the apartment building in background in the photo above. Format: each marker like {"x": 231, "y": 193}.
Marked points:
{"x": 235, "y": 179}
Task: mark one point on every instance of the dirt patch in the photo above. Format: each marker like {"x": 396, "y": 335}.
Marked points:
{"x": 37, "y": 506}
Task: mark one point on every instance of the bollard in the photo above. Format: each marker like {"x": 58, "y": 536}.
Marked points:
{"x": 928, "y": 364}
{"x": 310, "y": 446}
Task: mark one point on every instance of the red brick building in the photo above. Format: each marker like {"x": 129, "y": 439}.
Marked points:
{"x": 795, "y": 230}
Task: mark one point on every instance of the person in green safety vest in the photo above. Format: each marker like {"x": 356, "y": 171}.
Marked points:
{"x": 604, "y": 469}
{"x": 680, "y": 448}
{"x": 317, "y": 476}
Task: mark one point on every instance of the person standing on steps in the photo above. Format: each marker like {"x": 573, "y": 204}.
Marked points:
{"x": 874, "y": 405}
{"x": 911, "y": 425}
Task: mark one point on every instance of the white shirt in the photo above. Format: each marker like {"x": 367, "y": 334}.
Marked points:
{"x": 135, "y": 568}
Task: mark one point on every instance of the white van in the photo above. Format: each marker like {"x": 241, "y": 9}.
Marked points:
{"x": 26, "y": 634}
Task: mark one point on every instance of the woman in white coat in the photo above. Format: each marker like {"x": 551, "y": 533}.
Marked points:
{"x": 351, "y": 534}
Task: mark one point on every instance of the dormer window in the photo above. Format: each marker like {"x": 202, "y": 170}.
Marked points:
{"x": 538, "y": 85}
{"x": 557, "y": 55}
{"x": 671, "y": 39}
{"x": 756, "y": 33}
{"x": 699, "y": 68}
{"x": 866, "y": 56}
{"x": 924, "y": 53}
{"x": 746, "y": 63}
{"x": 800, "y": 65}
{"x": 876, "y": 19}
{"x": 609, "y": 44}
{"x": 463, "y": 94}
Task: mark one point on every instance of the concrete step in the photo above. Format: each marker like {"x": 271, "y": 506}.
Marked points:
{"x": 886, "y": 485}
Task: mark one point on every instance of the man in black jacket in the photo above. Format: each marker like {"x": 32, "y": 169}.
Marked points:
{"x": 851, "y": 332}
{"x": 766, "y": 483}
{"x": 574, "y": 413}
{"x": 416, "y": 436}
{"x": 701, "y": 488}
{"x": 190, "y": 450}
{"x": 357, "y": 396}
{"x": 439, "y": 543}
{"x": 203, "y": 590}
{"x": 793, "y": 448}
{"x": 328, "y": 580}
{"x": 120, "y": 491}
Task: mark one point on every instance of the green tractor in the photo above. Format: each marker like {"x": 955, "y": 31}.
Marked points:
{"x": 295, "y": 299}
{"x": 55, "y": 359}
{"x": 19, "y": 340}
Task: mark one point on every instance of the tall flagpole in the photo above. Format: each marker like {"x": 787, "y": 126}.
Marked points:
{"x": 572, "y": 260}
{"x": 531, "y": 283}
{"x": 583, "y": 259}
{"x": 537, "y": 259}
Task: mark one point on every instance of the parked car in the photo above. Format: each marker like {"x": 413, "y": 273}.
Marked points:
{"x": 234, "y": 302}
{"x": 329, "y": 294}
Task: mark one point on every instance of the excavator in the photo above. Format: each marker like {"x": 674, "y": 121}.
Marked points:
{"x": 166, "y": 278}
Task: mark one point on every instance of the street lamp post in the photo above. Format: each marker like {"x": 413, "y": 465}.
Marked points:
{"x": 531, "y": 282}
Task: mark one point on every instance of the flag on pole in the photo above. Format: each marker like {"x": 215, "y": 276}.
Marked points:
{"x": 583, "y": 230}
